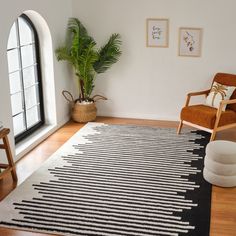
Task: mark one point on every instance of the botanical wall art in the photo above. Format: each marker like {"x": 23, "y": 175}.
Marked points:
{"x": 157, "y": 32}
{"x": 190, "y": 42}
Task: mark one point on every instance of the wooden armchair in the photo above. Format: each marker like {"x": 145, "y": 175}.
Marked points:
{"x": 209, "y": 118}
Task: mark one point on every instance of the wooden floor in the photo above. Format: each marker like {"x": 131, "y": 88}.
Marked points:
{"x": 223, "y": 209}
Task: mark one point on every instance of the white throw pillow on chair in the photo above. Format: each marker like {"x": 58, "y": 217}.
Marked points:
{"x": 218, "y": 93}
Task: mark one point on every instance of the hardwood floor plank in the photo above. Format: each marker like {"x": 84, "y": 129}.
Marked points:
{"x": 223, "y": 209}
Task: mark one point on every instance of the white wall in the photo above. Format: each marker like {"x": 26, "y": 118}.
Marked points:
{"x": 152, "y": 82}
{"x": 56, "y": 14}
{"x": 146, "y": 82}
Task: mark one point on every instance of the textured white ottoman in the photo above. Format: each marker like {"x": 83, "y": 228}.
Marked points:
{"x": 220, "y": 163}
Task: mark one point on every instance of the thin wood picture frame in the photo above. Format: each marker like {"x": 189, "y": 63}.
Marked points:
{"x": 190, "y": 42}
{"x": 157, "y": 32}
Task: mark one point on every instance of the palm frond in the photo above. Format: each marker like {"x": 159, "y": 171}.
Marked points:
{"x": 74, "y": 45}
{"x": 86, "y": 62}
{"x": 108, "y": 54}
{"x": 87, "y": 59}
{"x": 74, "y": 25}
{"x": 79, "y": 35}
{"x": 63, "y": 55}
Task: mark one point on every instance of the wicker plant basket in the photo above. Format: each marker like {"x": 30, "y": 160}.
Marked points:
{"x": 81, "y": 112}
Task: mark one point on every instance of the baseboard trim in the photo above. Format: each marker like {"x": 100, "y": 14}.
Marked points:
{"x": 138, "y": 116}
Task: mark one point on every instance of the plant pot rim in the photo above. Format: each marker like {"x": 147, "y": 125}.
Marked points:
{"x": 84, "y": 103}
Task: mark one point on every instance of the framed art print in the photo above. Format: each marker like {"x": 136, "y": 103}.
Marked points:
{"x": 157, "y": 32}
{"x": 190, "y": 42}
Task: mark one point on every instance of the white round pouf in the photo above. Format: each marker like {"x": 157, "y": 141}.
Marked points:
{"x": 219, "y": 180}
{"x": 220, "y": 163}
{"x": 222, "y": 151}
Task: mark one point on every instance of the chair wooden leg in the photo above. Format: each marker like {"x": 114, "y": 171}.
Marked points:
{"x": 213, "y": 135}
{"x": 9, "y": 158}
{"x": 218, "y": 115}
{"x": 180, "y": 127}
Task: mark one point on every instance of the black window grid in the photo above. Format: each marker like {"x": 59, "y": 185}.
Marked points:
{"x": 38, "y": 79}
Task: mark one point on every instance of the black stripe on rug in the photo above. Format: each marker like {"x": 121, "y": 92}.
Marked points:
{"x": 118, "y": 180}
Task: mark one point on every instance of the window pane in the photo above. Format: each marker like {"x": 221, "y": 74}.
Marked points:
{"x": 27, "y": 53}
{"x": 13, "y": 60}
{"x": 26, "y": 35}
{"x": 32, "y": 116}
{"x": 31, "y": 97}
{"x": 16, "y": 103}
{"x": 12, "y": 40}
{"x": 15, "y": 82}
{"x": 18, "y": 124}
{"x": 30, "y": 77}
{"x": 23, "y": 77}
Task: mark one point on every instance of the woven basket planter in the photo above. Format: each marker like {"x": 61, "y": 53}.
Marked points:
{"x": 82, "y": 112}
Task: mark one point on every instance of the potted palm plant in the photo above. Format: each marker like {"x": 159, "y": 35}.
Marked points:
{"x": 87, "y": 60}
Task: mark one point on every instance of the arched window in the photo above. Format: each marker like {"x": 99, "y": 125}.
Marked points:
{"x": 25, "y": 78}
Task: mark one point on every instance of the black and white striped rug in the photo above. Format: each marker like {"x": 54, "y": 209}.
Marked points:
{"x": 112, "y": 180}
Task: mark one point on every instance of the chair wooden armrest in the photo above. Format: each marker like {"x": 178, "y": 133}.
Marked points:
{"x": 222, "y": 104}
{"x": 206, "y": 92}
{"x": 226, "y": 102}
{"x": 189, "y": 95}
{"x": 218, "y": 115}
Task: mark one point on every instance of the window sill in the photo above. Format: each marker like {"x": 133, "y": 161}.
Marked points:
{"x": 33, "y": 140}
